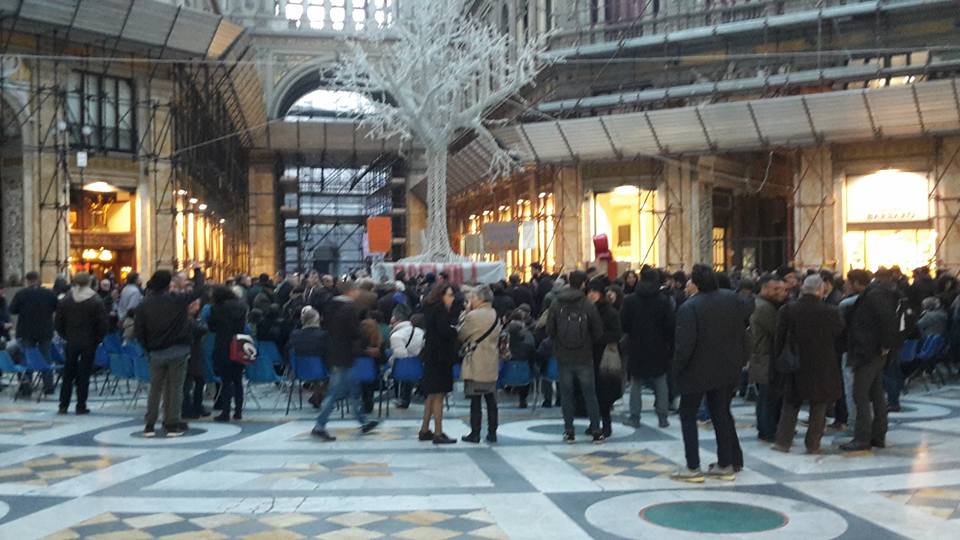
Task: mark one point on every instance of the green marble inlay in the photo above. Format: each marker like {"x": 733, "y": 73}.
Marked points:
{"x": 713, "y": 517}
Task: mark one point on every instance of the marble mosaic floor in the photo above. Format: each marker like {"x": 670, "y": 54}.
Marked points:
{"x": 66, "y": 477}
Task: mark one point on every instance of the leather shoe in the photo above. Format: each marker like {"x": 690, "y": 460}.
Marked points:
{"x": 425, "y": 435}
{"x": 471, "y": 438}
{"x": 443, "y": 439}
{"x": 491, "y": 437}
{"x": 878, "y": 444}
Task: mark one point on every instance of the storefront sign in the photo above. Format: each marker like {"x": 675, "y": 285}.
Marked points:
{"x": 888, "y": 196}
{"x": 498, "y": 237}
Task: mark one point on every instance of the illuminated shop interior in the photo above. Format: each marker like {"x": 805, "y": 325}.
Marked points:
{"x": 626, "y": 215}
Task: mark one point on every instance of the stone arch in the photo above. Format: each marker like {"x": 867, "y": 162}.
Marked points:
{"x": 295, "y": 84}
{"x": 12, "y": 167}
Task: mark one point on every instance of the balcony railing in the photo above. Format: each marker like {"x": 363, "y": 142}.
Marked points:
{"x": 700, "y": 14}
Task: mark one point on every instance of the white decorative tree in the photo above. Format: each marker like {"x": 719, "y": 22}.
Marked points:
{"x": 443, "y": 72}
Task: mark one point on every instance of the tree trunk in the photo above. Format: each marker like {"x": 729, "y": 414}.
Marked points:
{"x": 437, "y": 245}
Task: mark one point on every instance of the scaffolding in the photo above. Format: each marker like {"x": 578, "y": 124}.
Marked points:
{"x": 327, "y": 198}
{"x": 185, "y": 138}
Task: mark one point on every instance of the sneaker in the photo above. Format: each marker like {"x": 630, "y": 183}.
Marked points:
{"x": 175, "y": 430}
{"x": 721, "y": 473}
{"x": 598, "y": 437}
{"x": 322, "y": 435}
{"x": 569, "y": 437}
{"x": 424, "y": 436}
{"x": 664, "y": 423}
{"x": 369, "y": 426}
{"x": 149, "y": 431}
{"x": 684, "y": 474}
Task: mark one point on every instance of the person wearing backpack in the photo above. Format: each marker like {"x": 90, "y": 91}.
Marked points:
{"x": 573, "y": 325}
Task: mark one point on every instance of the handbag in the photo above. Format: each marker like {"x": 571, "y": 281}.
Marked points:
{"x": 610, "y": 362}
{"x": 466, "y": 352}
{"x": 243, "y": 350}
{"x": 788, "y": 362}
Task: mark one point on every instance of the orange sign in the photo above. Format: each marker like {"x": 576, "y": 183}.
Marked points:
{"x": 379, "y": 234}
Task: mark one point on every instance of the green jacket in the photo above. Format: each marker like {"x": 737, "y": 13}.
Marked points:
{"x": 763, "y": 332}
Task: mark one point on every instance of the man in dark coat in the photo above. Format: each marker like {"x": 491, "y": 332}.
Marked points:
{"x": 34, "y": 307}
{"x": 811, "y": 327}
{"x": 520, "y": 293}
{"x": 709, "y": 355}
{"x": 873, "y": 333}
{"x": 573, "y": 325}
{"x": 81, "y": 320}
{"x": 343, "y": 327}
{"x": 647, "y": 319}
{"x": 763, "y": 333}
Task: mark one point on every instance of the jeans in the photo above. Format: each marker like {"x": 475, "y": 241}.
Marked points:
{"x": 848, "y": 390}
{"x": 77, "y": 367}
{"x": 166, "y": 380}
{"x": 583, "y": 374}
{"x": 718, "y": 403}
{"x": 341, "y": 386}
{"x": 192, "y": 395}
{"x": 893, "y": 379}
{"x": 661, "y": 402}
{"x": 871, "y": 404}
{"x": 476, "y": 414}
{"x": 841, "y": 414}
{"x": 788, "y": 425}
{"x": 768, "y": 412}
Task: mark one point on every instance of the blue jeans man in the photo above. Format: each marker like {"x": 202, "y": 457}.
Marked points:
{"x": 341, "y": 386}
{"x": 661, "y": 394}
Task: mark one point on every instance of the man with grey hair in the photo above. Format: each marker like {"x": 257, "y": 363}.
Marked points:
{"x": 810, "y": 328}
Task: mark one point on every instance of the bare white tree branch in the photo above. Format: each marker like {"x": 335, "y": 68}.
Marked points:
{"x": 443, "y": 72}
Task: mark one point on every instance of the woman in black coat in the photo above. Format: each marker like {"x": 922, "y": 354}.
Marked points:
{"x": 609, "y": 384}
{"x": 227, "y": 318}
{"x": 439, "y": 354}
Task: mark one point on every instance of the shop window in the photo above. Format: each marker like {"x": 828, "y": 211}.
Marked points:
{"x": 719, "y": 249}
{"x": 626, "y": 215}
{"x": 888, "y": 221}
{"x": 101, "y": 112}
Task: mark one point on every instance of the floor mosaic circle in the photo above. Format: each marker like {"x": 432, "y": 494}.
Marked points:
{"x": 551, "y": 430}
{"x": 689, "y": 514}
{"x": 198, "y": 432}
{"x": 714, "y": 517}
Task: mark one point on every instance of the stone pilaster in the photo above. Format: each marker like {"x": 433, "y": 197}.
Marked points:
{"x": 263, "y": 218}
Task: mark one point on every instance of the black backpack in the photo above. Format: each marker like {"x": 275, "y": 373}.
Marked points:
{"x": 573, "y": 330}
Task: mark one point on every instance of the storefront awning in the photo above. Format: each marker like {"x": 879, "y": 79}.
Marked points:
{"x": 831, "y": 117}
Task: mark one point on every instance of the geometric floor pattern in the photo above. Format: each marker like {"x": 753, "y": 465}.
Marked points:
{"x": 51, "y": 468}
{"x": 474, "y": 524}
{"x": 95, "y": 476}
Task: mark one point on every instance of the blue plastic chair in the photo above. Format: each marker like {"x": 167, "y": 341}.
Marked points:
{"x": 140, "y": 365}
{"x": 457, "y": 369}
{"x": 308, "y": 368}
{"x": 408, "y": 369}
{"x": 269, "y": 351}
{"x": 553, "y": 372}
{"x": 932, "y": 348}
{"x": 364, "y": 370}
{"x": 261, "y": 371}
{"x": 514, "y": 373}
{"x": 908, "y": 353}
{"x": 7, "y": 365}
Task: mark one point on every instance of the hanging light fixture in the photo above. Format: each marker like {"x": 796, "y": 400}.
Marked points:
{"x": 202, "y": 206}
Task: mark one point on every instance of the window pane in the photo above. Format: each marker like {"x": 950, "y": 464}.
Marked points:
{"x": 92, "y": 107}
{"x": 127, "y": 111}
{"x": 109, "y": 112}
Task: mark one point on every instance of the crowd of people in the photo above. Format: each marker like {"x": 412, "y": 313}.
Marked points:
{"x": 781, "y": 339}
